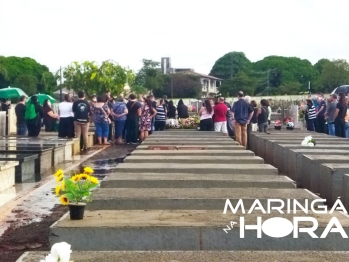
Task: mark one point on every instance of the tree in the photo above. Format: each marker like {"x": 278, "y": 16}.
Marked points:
{"x": 3, "y": 76}
{"x": 334, "y": 74}
{"x": 18, "y": 70}
{"x": 229, "y": 65}
{"x": 182, "y": 85}
{"x": 149, "y": 76}
{"x": 94, "y": 79}
{"x": 28, "y": 83}
{"x": 240, "y": 82}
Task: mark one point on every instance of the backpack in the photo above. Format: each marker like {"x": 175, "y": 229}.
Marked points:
{"x": 30, "y": 112}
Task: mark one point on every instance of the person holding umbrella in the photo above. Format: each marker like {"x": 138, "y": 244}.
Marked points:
{"x": 50, "y": 118}
{"x": 5, "y": 106}
{"x": 33, "y": 116}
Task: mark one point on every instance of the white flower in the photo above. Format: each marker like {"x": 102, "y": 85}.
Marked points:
{"x": 310, "y": 144}
{"x": 50, "y": 258}
{"x": 304, "y": 142}
{"x": 59, "y": 252}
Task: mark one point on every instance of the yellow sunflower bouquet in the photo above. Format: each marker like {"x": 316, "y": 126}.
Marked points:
{"x": 76, "y": 188}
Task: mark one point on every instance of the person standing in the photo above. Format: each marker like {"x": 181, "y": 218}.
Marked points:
{"x": 206, "y": 113}
{"x": 147, "y": 113}
{"x": 134, "y": 111}
{"x": 100, "y": 112}
{"x": 329, "y": 115}
{"x": 182, "y": 109}
{"x": 20, "y": 114}
{"x": 33, "y": 116}
{"x": 220, "y": 117}
{"x": 160, "y": 117}
{"x": 119, "y": 113}
{"x": 242, "y": 113}
{"x": 320, "y": 115}
{"x": 171, "y": 113}
{"x": 50, "y": 118}
{"x": 110, "y": 103}
{"x": 339, "y": 116}
{"x": 228, "y": 117}
{"x": 82, "y": 111}
{"x": 153, "y": 103}
{"x": 262, "y": 117}
{"x": 310, "y": 115}
{"x": 66, "y": 118}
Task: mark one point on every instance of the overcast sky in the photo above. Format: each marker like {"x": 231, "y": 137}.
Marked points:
{"x": 193, "y": 33}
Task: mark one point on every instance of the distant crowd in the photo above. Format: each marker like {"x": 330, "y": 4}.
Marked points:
{"x": 330, "y": 116}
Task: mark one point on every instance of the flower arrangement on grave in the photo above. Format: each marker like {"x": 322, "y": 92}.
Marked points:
{"x": 60, "y": 252}
{"x": 191, "y": 108}
{"x": 75, "y": 190}
{"x": 278, "y": 125}
{"x": 172, "y": 124}
{"x": 289, "y": 123}
{"x": 308, "y": 141}
{"x": 183, "y": 123}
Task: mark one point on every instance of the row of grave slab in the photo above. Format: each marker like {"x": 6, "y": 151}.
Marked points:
{"x": 166, "y": 202}
{"x": 25, "y": 159}
{"x": 322, "y": 169}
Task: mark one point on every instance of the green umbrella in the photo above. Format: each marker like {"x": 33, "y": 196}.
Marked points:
{"x": 11, "y": 92}
{"x": 43, "y": 97}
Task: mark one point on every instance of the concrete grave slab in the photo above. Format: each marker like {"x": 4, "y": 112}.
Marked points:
{"x": 7, "y": 174}
{"x": 202, "y": 256}
{"x": 193, "y": 199}
{"x": 224, "y": 159}
{"x": 308, "y": 169}
{"x": 25, "y": 169}
{"x": 251, "y": 169}
{"x": 332, "y": 181}
{"x": 192, "y": 152}
{"x": 180, "y": 180}
{"x": 186, "y": 230}
{"x": 192, "y": 147}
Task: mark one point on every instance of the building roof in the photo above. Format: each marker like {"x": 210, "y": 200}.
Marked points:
{"x": 201, "y": 75}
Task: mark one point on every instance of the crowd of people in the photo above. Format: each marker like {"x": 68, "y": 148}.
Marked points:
{"x": 330, "y": 117}
{"x": 130, "y": 120}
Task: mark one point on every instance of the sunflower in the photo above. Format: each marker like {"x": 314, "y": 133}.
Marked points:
{"x": 76, "y": 178}
{"x": 64, "y": 200}
{"x": 58, "y": 189}
{"x": 84, "y": 176}
{"x": 59, "y": 178}
{"x": 88, "y": 170}
{"x": 63, "y": 185}
{"x": 93, "y": 180}
{"x": 59, "y": 173}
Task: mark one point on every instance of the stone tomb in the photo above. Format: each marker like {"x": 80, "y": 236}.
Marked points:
{"x": 332, "y": 181}
{"x": 308, "y": 168}
{"x": 7, "y": 174}
{"x": 42, "y": 164}
{"x": 25, "y": 170}
{"x": 282, "y": 150}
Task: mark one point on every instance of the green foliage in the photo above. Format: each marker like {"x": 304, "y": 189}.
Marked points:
{"x": 26, "y": 71}
{"x": 240, "y": 82}
{"x": 149, "y": 77}
{"x": 229, "y": 65}
{"x": 94, "y": 79}
{"x": 183, "y": 86}
{"x": 334, "y": 73}
{"x": 28, "y": 83}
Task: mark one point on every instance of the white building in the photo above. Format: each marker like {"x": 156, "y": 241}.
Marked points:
{"x": 209, "y": 83}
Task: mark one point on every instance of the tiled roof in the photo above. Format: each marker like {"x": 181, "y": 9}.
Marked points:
{"x": 202, "y": 75}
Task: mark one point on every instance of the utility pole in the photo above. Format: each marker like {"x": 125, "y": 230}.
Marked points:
{"x": 309, "y": 88}
{"x": 60, "y": 83}
{"x": 232, "y": 63}
{"x": 268, "y": 82}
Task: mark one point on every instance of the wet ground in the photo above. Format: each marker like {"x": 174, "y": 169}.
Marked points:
{"x": 32, "y": 208}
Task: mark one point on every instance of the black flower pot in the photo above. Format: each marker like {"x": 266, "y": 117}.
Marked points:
{"x": 289, "y": 128}
{"x": 77, "y": 211}
{"x": 278, "y": 127}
